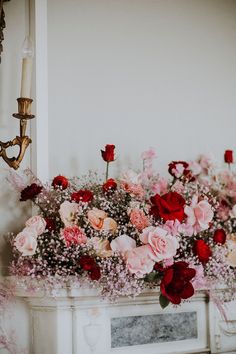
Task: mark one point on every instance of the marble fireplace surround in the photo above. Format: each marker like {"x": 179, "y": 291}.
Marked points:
{"x": 59, "y": 322}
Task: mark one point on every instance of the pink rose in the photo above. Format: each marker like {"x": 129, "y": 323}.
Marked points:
{"x": 96, "y": 218}
{"x": 139, "y": 260}
{"x": 122, "y": 243}
{"x": 26, "y": 241}
{"x": 138, "y": 219}
{"x": 38, "y": 223}
{"x": 73, "y": 235}
{"x": 163, "y": 245}
{"x": 69, "y": 213}
{"x": 199, "y": 214}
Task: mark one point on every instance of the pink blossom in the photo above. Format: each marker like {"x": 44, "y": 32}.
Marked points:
{"x": 199, "y": 214}
{"x": 195, "y": 168}
{"x": 139, "y": 260}
{"x": 149, "y": 154}
{"x": 130, "y": 182}
{"x": 69, "y": 213}
{"x": 122, "y": 243}
{"x": 138, "y": 219}
{"x": 38, "y": 223}
{"x": 207, "y": 162}
{"x": 199, "y": 281}
{"x": 73, "y": 235}
{"x": 26, "y": 241}
{"x": 164, "y": 246}
{"x": 160, "y": 187}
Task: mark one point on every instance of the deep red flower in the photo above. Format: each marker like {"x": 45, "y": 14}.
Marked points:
{"x": 87, "y": 262}
{"x": 202, "y": 250}
{"x": 50, "y": 224}
{"x": 175, "y": 173}
{"x": 95, "y": 273}
{"x": 30, "y": 192}
{"x": 108, "y": 154}
{"x": 60, "y": 182}
{"x": 109, "y": 185}
{"x": 219, "y": 236}
{"x": 84, "y": 196}
{"x": 175, "y": 284}
{"x": 169, "y": 206}
{"x": 228, "y": 156}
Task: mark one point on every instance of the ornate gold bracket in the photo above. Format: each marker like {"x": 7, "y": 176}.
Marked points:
{"x": 23, "y": 141}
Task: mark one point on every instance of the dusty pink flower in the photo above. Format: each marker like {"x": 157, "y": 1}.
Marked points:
{"x": 73, "y": 235}
{"x": 102, "y": 247}
{"x": 109, "y": 225}
{"x": 139, "y": 260}
{"x": 38, "y": 223}
{"x": 122, "y": 243}
{"x": 130, "y": 182}
{"x": 138, "y": 219}
{"x": 199, "y": 214}
{"x": 26, "y": 241}
{"x": 149, "y": 154}
{"x": 207, "y": 162}
{"x": 160, "y": 187}
{"x": 96, "y": 218}
{"x": 69, "y": 213}
{"x": 186, "y": 229}
{"x": 164, "y": 246}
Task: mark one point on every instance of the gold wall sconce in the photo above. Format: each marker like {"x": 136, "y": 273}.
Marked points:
{"x": 24, "y": 102}
{"x": 22, "y": 141}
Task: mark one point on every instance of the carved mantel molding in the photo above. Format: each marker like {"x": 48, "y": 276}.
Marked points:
{"x": 2, "y": 25}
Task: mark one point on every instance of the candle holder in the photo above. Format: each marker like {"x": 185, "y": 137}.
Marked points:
{"x": 23, "y": 141}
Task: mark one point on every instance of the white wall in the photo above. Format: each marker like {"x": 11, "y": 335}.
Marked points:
{"x": 140, "y": 73}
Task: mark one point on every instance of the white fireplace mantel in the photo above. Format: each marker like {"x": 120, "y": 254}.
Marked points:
{"x": 59, "y": 322}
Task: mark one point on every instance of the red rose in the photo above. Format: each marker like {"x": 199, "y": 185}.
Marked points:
{"x": 176, "y": 284}
{"x": 109, "y": 185}
{"x": 60, "y": 182}
{"x": 30, "y": 192}
{"x": 84, "y": 196}
{"x": 50, "y": 224}
{"x": 202, "y": 250}
{"x": 219, "y": 236}
{"x": 169, "y": 206}
{"x": 109, "y": 154}
{"x": 228, "y": 156}
{"x": 95, "y": 273}
{"x": 87, "y": 262}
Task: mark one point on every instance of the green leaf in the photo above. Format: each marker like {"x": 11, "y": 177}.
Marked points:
{"x": 164, "y": 302}
{"x": 151, "y": 277}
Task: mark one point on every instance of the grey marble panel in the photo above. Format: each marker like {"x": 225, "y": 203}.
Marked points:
{"x": 159, "y": 328}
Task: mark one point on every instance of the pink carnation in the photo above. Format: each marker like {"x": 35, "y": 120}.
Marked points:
{"x": 73, "y": 235}
{"x": 138, "y": 219}
{"x": 38, "y": 223}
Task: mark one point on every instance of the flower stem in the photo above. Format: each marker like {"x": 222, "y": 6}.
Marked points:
{"x": 107, "y": 171}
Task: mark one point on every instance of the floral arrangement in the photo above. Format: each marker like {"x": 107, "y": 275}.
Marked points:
{"x": 138, "y": 232}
